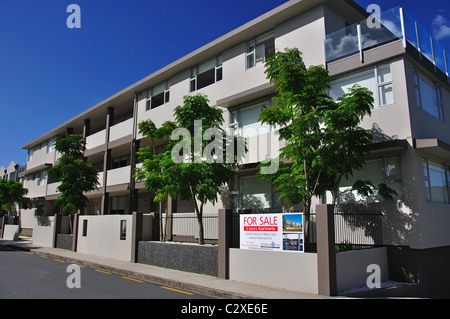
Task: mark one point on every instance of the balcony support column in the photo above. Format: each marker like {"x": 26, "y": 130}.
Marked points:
{"x": 86, "y": 128}
{"x": 106, "y": 162}
{"x": 135, "y": 145}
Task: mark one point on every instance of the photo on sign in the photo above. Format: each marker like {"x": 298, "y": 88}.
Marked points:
{"x": 293, "y": 223}
{"x": 293, "y": 232}
{"x": 293, "y": 241}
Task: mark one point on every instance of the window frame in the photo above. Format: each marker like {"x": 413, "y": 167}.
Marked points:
{"x": 384, "y": 84}
{"x": 387, "y": 179}
{"x": 118, "y": 161}
{"x": 166, "y": 94}
{"x": 269, "y": 34}
{"x": 234, "y": 120}
{"x": 439, "y": 105}
{"x": 30, "y": 155}
{"x": 374, "y": 70}
{"x": 427, "y": 184}
{"x": 50, "y": 145}
{"x": 193, "y": 72}
{"x": 237, "y": 193}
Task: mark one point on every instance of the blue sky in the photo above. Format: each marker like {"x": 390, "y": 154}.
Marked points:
{"x": 50, "y": 73}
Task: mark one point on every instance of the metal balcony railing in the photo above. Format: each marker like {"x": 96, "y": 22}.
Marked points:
{"x": 389, "y": 26}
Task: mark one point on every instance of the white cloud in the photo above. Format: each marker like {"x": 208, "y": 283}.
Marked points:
{"x": 440, "y": 27}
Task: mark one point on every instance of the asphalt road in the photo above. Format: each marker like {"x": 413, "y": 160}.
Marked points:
{"x": 25, "y": 275}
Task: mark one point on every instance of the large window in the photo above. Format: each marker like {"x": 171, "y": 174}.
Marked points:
{"x": 245, "y": 121}
{"x": 428, "y": 96}
{"x": 437, "y": 182}
{"x": 259, "y": 49}
{"x": 377, "y": 79}
{"x": 378, "y": 170}
{"x": 251, "y": 192}
{"x": 206, "y": 73}
{"x": 118, "y": 205}
{"x": 158, "y": 95}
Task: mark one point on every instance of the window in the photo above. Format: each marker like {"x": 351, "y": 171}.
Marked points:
{"x": 158, "y": 95}
{"x": 385, "y": 86}
{"x": 118, "y": 205}
{"x": 30, "y": 155}
{"x": 120, "y": 161}
{"x": 245, "y": 121}
{"x": 377, "y": 79}
{"x": 206, "y": 73}
{"x": 437, "y": 182}
{"x": 50, "y": 145}
{"x": 428, "y": 96}
{"x": 378, "y": 170}
{"x": 254, "y": 193}
{"x": 259, "y": 49}
{"x": 42, "y": 178}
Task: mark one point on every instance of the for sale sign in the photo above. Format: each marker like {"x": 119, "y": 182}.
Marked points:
{"x": 272, "y": 231}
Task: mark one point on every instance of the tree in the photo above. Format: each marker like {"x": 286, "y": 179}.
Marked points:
{"x": 152, "y": 166}
{"x": 12, "y": 193}
{"x": 323, "y": 140}
{"x": 75, "y": 174}
{"x": 194, "y": 167}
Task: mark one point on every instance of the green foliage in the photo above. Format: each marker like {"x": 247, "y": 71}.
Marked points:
{"x": 323, "y": 140}
{"x": 193, "y": 179}
{"x": 75, "y": 175}
{"x": 11, "y": 193}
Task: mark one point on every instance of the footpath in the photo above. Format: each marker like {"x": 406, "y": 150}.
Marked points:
{"x": 196, "y": 283}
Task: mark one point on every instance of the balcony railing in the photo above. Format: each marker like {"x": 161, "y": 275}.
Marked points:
{"x": 393, "y": 25}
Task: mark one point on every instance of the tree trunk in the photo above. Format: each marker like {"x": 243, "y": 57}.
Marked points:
{"x": 199, "y": 213}
{"x": 161, "y": 229}
{"x": 307, "y": 219}
{"x": 201, "y": 234}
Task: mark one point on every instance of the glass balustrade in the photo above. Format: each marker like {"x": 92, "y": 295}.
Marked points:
{"x": 391, "y": 25}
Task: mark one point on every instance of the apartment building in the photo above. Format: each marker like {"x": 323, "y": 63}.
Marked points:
{"x": 398, "y": 61}
{"x": 12, "y": 171}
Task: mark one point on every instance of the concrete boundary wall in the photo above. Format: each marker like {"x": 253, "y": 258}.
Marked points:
{"x": 45, "y": 235}
{"x": 279, "y": 269}
{"x": 351, "y": 267}
{"x": 109, "y": 236}
{"x": 11, "y": 232}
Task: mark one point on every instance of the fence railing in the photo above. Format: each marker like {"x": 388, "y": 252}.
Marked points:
{"x": 184, "y": 227}
{"x": 354, "y": 228}
{"x": 358, "y": 228}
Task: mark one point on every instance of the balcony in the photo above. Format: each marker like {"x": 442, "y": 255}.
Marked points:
{"x": 118, "y": 176}
{"x": 95, "y": 140}
{"x": 121, "y": 130}
{"x": 394, "y": 24}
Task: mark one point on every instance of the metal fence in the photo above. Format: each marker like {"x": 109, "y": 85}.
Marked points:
{"x": 184, "y": 227}
{"x": 357, "y": 228}
{"x": 354, "y": 228}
